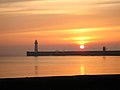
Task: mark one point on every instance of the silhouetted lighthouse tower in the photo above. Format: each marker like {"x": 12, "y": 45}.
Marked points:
{"x": 36, "y": 46}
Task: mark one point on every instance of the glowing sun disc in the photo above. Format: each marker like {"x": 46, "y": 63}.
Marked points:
{"x": 82, "y": 46}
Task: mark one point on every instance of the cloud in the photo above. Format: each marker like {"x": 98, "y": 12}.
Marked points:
{"x": 46, "y": 7}
{"x": 11, "y": 1}
{"x": 109, "y": 2}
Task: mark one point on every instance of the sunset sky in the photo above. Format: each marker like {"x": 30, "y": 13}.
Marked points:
{"x": 58, "y": 25}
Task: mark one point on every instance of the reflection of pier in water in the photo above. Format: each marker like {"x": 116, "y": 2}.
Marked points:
{"x": 104, "y": 58}
{"x": 83, "y": 68}
{"x": 36, "y": 67}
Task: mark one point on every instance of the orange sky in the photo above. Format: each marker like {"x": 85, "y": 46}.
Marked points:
{"x": 58, "y": 25}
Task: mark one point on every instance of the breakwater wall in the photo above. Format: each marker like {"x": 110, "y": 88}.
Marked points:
{"x": 74, "y": 53}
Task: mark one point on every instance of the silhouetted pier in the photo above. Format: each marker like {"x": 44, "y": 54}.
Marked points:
{"x": 104, "y": 52}
{"x": 74, "y": 53}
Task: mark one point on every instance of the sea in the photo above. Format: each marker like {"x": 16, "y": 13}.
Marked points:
{"x": 44, "y": 66}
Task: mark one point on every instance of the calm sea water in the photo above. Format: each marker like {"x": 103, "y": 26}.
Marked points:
{"x": 12, "y": 67}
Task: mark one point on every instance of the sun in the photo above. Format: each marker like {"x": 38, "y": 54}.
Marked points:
{"x": 82, "y": 46}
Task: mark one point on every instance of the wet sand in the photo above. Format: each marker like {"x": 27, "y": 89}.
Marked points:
{"x": 80, "y": 82}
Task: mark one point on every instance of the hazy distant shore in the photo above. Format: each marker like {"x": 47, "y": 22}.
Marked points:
{"x": 84, "y": 82}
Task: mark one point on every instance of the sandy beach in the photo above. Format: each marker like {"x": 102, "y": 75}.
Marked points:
{"x": 80, "y": 82}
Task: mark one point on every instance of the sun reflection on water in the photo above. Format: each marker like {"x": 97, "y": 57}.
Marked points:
{"x": 82, "y": 69}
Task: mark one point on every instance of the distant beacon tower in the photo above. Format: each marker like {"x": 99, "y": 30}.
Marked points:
{"x": 36, "y": 46}
{"x": 104, "y": 48}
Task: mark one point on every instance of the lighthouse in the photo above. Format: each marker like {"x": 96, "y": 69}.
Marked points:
{"x": 36, "y": 46}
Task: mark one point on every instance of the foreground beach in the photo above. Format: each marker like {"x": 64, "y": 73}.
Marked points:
{"x": 80, "y": 82}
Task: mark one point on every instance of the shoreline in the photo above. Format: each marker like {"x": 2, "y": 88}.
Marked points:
{"x": 61, "y": 82}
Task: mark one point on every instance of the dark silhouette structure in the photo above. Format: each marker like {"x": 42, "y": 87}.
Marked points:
{"x": 104, "y": 48}
{"x": 71, "y": 53}
{"x": 36, "y": 46}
